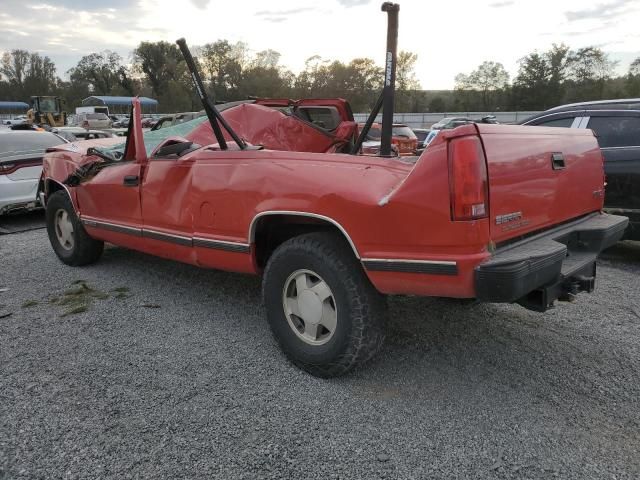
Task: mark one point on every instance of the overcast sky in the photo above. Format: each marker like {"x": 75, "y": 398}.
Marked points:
{"x": 449, "y": 36}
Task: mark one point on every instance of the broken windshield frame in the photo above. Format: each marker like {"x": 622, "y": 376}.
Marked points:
{"x": 153, "y": 138}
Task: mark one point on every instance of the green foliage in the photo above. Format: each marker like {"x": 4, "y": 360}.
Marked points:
{"x": 540, "y": 83}
{"x": 633, "y": 78}
{"x": 484, "y": 87}
{"x": 103, "y": 74}
{"x": 231, "y": 71}
{"x": 561, "y": 75}
{"x": 23, "y": 73}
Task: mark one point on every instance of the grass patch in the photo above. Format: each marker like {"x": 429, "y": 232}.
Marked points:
{"x": 77, "y": 298}
{"x": 30, "y": 303}
{"x": 79, "y": 308}
{"x": 79, "y": 289}
{"x": 121, "y": 289}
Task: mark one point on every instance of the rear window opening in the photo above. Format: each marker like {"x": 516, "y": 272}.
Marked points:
{"x": 326, "y": 118}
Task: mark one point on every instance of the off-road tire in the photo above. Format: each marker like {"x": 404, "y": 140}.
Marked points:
{"x": 361, "y": 310}
{"x": 85, "y": 249}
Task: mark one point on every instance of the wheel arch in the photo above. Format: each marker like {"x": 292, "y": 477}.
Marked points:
{"x": 51, "y": 186}
{"x": 291, "y": 223}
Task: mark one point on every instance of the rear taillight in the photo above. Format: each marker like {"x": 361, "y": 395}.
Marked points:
{"x": 468, "y": 179}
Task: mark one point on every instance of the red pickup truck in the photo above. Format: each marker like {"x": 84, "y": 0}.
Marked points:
{"x": 493, "y": 212}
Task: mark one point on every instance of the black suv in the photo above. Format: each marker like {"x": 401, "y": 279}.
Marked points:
{"x": 617, "y": 126}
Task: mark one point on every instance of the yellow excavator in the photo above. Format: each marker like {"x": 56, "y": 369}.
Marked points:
{"x": 46, "y": 110}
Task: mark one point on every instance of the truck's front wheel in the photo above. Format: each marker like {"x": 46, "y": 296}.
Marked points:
{"x": 322, "y": 309}
{"x": 68, "y": 237}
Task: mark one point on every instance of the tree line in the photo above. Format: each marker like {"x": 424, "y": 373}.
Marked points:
{"x": 233, "y": 72}
{"x": 547, "y": 79}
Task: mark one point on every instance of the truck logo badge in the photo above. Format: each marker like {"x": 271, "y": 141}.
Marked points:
{"x": 508, "y": 217}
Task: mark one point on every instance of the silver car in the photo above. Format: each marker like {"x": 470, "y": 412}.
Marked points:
{"x": 21, "y": 154}
{"x": 93, "y": 121}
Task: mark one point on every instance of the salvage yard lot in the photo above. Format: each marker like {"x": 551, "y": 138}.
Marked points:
{"x": 170, "y": 372}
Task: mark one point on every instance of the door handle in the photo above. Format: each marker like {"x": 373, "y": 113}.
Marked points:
{"x": 557, "y": 161}
{"x": 131, "y": 181}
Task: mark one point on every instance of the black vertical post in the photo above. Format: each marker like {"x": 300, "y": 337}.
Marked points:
{"x": 388, "y": 91}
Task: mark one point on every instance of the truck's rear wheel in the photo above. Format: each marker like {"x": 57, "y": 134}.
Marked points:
{"x": 322, "y": 309}
{"x": 69, "y": 239}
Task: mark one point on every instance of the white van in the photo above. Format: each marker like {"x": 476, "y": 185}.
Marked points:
{"x": 92, "y": 121}
{"x": 103, "y": 109}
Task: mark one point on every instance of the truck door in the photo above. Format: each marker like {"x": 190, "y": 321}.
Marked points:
{"x": 166, "y": 207}
{"x": 111, "y": 200}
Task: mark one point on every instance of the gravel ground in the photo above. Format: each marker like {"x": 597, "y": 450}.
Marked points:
{"x": 178, "y": 377}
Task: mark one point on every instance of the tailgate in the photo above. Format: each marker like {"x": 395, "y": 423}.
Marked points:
{"x": 540, "y": 177}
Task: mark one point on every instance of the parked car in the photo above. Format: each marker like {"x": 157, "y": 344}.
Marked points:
{"x": 92, "y": 121}
{"x": 402, "y": 138}
{"x": 451, "y": 122}
{"x": 616, "y": 123}
{"x": 175, "y": 119}
{"x": 148, "y": 122}
{"x": 15, "y": 121}
{"x": 490, "y": 212}
{"x": 123, "y": 122}
{"x": 78, "y": 133}
{"x": 421, "y": 134}
{"x": 118, "y": 132}
{"x": 430, "y": 137}
{"x": 21, "y": 154}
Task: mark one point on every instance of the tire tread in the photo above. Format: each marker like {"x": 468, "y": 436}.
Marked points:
{"x": 86, "y": 249}
{"x": 367, "y": 305}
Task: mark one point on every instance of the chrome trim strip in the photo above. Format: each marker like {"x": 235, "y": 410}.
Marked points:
{"x": 551, "y": 114}
{"x": 430, "y": 262}
{"x": 432, "y": 267}
{"x": 576, "y": 122}
{"x": 618, "y": 210}
{"x": 619, "y": 148}
{"x": 584, "y": 121}
{"x": 75, "y": 208}
{"x": 221, "y": 245}
{"x": 583, "y": 111}
{"x": 167, "y": 237}
{"x": 113, "y": 227}
{"x": 252, "y": 226}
